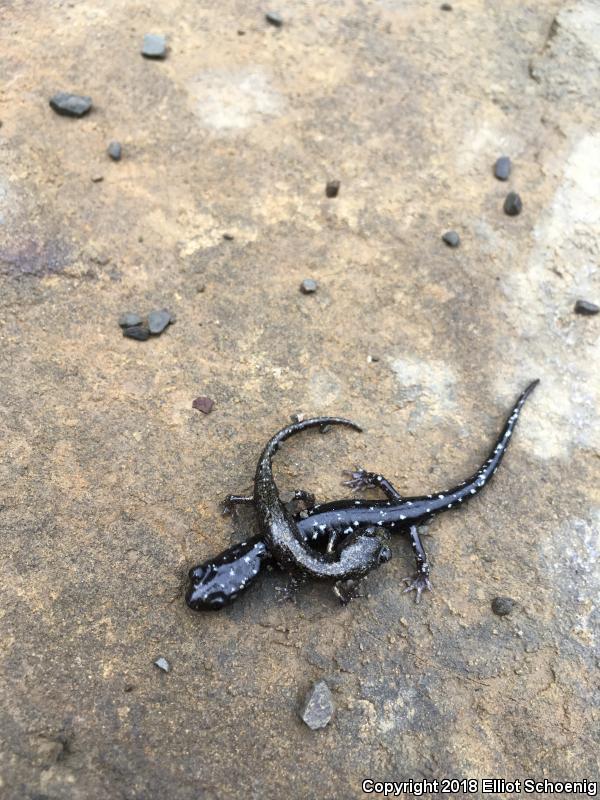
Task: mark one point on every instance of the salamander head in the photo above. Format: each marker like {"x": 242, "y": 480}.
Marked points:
{"x": 363, "y": 551}
{"x": 208, "y": 591}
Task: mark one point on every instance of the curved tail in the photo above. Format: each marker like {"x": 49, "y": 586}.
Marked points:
{"x": 473, "y": 485}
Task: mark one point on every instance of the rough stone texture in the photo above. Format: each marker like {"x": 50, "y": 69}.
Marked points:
{"x": 154, "y": 46}
{"x": 317, "y": 709}
{"x": 110, "y": 482}
{"x": 70, "y": 105}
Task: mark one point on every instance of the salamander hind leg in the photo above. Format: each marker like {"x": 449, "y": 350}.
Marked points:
{"x": 419, "y": 582}
{"x": 360, "y": 479}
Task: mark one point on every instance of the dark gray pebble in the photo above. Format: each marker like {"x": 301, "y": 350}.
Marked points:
{"x": 513, "y": 205}
{"x": 70, "y": 105}
{"x": 114, "y": 151}
{"x": 446, "y": 7}
{"x": 586, "y": 308}
{"x": 502, "y": 168}
{"x": 317, "y": 709}
{"x": 273, "y": 18}
{"x": 163, "y": 664}
{"x": 204, "y": 404}
{"x": 451, "y": 238}
{"x": 332, "y": 189}
{"x": 129, "y": 319}
{"x": 308, "y": 286}
{"x": 154, "y": 46}
{"x": 502, "y": 606}
{"x": 158, "y": 321}
{"x": 229, "y": 237}
{"x": 139, "y": 332}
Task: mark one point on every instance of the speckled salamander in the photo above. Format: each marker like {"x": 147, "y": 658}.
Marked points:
{"x": 322, "y": 527}
{"x": 220, "y": 580}
{"x": 402, "y": 514}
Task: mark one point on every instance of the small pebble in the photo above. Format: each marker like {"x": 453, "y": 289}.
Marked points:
{"x": 114, "y": 151}
{"x": 446, "y": 7}
{"x": 229, "y": 237}
{"x": 502, "y": 606}
{"x": 371, "y": 359}
{"x": 586, "y": 308}
{"x": 308, "y": 286}
{"x": 139, "y": 332}
{"x": 317, "y": 709}
{"x": 158, "y": 321}
{"x": 451, "y": 238}
{"x": 273, "y": 18}
{"x": 204, "y": 404}
{"x": 332, "y": 189}
{"x": 502, "y": 168}
{"x": 513, "y": 205}
{"x": 97, "y": 178}
{"x": 297, "y": 417}
{"x": 163, "y": 664}
{"x": 154, "y": 46}
{"x": 70, "y": 105}
{"x": 130, "y": 319}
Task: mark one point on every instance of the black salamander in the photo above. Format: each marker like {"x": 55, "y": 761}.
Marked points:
{"x": 399, "y": 514}
{"x": 322, "y": 527}
{"x": 219, "y": 581}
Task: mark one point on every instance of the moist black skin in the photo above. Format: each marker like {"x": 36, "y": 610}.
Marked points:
{"x": 325, "y": 527}
{"x": 220, "y": 580}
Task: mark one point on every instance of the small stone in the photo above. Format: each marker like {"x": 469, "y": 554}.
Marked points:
{"x": 451, "y": 238}
{"x": 297, "y": 417}
{"x": 373, "y": 359}
{"x": 114, "y": 151}
{"x": 130, "y": 319}
{"x": 154, "y": 46}
{"x": 229, "y": 237}
{"x": 70, "y": 105}
{"x": 273, "y": 18}
{"x": 502, "y": 606}
{"x": 332, "y": 189}
{"x": 318, "y": 706}
{"x": 513, "y": 205}
{"x": 446, "y": 7}
{"x": 308, "y": 286}
{"x": 139, "y": 332}
{"x": 586, "y": 308}
{"x": 158, "y": 321}
{"x": 502, "y": 168}
{"x": 97, "y": 178}
{"x": 163, "y": 664}
{"x": 204, "y": 404}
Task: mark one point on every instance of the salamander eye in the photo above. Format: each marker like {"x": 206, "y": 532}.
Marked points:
{"x": 197, "y": 575}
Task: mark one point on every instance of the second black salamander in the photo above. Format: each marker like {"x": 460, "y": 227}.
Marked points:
{"x": 324, "y": 526}
{"x": 220, "y": 580}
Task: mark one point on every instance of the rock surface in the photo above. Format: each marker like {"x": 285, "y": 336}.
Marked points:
{"x": 110, "y": 482}
{"x": 317, "y": 709}
{"x": 70, "y": 105}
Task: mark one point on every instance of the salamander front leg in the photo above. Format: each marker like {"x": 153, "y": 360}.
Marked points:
{"x": 420, "y": 581}
{"x": 361, "y": 479}
{"x": 233, "y": 500}
{"x": 347, "y": 590}
{"x": 307, "y": 498}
